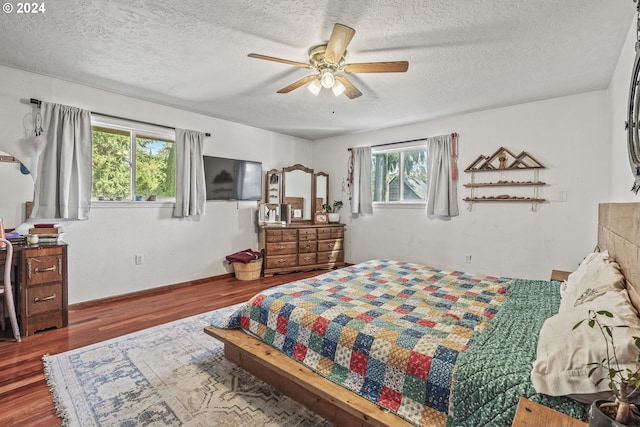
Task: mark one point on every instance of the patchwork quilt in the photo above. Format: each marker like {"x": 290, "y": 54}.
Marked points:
{"x": 390, "y": 331}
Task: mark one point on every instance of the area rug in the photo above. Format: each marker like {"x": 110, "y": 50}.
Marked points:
{"x": 169, "y": 375}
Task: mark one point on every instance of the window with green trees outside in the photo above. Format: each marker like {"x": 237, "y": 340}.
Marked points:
{"x": 399, "y": 175}
{"x": 128, "y": 162}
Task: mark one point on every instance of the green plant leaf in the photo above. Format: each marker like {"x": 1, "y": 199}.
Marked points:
{"x": 577, "y": 324}
{"x": 608, "y": 331}
{"x": 605, "y": 313}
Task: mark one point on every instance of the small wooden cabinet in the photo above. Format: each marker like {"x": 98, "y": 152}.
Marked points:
{"x": 301, "y": 247}
{"x": 40, "y": 286}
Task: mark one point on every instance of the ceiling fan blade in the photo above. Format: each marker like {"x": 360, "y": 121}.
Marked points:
{"x": 340, "y": 38}
{"x": 349, "y": 89}
{"x": 274, "y": 59}
{"x": 377, "y": 67}
{"x": 295, "y": 85}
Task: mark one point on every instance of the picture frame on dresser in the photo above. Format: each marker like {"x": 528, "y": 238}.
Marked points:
{"x": 321, "y": 218}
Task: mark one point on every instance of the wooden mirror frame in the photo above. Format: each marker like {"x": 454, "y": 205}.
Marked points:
{"x": 307, "y": 207}
{"x": 316, "y": 199}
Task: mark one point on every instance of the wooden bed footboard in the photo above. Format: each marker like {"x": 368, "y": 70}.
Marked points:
{"x": 331, "y": 401}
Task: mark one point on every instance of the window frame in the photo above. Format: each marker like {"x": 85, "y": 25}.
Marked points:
{"x": 399, "y": 148}
{"x": 135, "y": 130}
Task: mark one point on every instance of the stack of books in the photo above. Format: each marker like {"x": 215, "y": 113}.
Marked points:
{"x": 16, "y": 239}
{"x": 47, "y": 233}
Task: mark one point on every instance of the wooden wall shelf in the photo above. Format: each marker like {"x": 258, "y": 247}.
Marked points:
{"x": 504, "y": 161}
{"x": 505, "y": 184}
{"x": 504, "y": 199}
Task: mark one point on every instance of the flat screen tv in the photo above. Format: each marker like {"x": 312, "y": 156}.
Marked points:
{"x": 232, "y": 179}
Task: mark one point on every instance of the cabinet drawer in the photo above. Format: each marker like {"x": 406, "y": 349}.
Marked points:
{"x": 337, "y": 232}
{"x": 41, "y": 299}
{"x": 44, "y": 269}
{"x": 324, "y": 232}
{"x": 282, "y": 248}
{"x": 281, "y": 235}
{"x": 279, "y": 261}
{"x": 307, "y": 234}
{"x": 329, "y": 245}
{"x": 304, "y": 247}
{"x": 329, "y": 257}
{"x": 307, "y": 259}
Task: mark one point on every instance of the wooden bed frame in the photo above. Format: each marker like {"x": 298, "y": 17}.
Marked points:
{"x": 618, "y": 232}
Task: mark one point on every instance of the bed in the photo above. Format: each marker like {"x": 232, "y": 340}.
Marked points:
{"x": 463, "y": 358}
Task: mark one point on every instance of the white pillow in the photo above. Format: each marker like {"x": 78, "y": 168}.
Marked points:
{"x": 562, "y": 355}
{"x": 597, "y": 274}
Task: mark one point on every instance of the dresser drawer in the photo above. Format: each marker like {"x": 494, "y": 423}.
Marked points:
{"x": 281, "y": 235}
{"x": 329, "y": 245}
{"x": 280, "y": 261}
{"x": 41, "y": 299}
{"x": 324, "y": 233}
{"x": 330, "y": 257}
{"x": 337, "y": 232}
{"x": 44, "y": 269}
{"x": 306, "y": 234}
{"x": 282, "y": 248}
{"x": 304, "y": 247}
{"x": 307, "y": 259}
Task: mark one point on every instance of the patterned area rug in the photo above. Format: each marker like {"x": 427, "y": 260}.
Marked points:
{"x": 170, "y": 375}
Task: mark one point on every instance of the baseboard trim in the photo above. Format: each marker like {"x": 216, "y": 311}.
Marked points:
{"x": 147, "y": 292}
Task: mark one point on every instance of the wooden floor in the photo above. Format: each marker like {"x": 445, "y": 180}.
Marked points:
{"x": 24, "y": 395}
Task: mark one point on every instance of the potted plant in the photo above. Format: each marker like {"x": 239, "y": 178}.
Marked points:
{"x": 333, "y": 211}
{"x": 623, "y": 383}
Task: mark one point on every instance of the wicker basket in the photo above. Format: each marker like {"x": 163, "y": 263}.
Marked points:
{"x": 248, "y": 271}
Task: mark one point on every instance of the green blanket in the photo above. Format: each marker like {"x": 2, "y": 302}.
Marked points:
{"x": 494, "y": 373}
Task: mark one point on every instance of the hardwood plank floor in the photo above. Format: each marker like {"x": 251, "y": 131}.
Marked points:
{"x": 25, "y": 399}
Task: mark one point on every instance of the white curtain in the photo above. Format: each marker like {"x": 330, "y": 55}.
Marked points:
{"x": 442, "y": 194}
{"x": 63, "y": 179}
{"x": 361, "y": 185}
{"x": 190, "y": 185}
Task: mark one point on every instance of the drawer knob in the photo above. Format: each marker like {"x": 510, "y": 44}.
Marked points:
{"x": 45, "y": 270}
{"x": 307, "y": 258}
{"x": 280, "y": 261}
{"x": 330, "y": 257}
{"x": 45, "y": 299}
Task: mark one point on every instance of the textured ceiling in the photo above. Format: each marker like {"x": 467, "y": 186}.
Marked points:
{"x": 463, "y": 55}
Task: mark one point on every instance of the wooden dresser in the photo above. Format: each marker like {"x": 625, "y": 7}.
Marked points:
{"x": 301, "y": 247}
{"x": 40, "y": 286}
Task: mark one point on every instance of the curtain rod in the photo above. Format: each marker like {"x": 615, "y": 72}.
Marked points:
{"x": 39, "y": 102}
{"x": 454, "y": 134}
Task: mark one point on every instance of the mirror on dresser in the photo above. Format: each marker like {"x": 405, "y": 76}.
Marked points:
{"x": 298, "y": 191}
{"x": 15, "y": 191}
{"x": 321, "y": 184}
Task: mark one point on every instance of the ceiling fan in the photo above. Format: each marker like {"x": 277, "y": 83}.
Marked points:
{"x": 328, "y": 61}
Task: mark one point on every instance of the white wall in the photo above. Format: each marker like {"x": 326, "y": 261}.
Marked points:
{"x": 102, "y": 249}
{"x": 568, "y": 135}
{"x": 621, "y": 177}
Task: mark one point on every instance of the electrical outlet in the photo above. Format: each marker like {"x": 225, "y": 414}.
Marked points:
{"x": 467, "y": 258}
{"x": 139, "y": 259}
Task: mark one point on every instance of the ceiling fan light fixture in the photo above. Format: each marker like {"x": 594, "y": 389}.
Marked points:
{"x": 315, "y": 87}
{"x": 338, "y": 88}
{"x": 327, "y": 78}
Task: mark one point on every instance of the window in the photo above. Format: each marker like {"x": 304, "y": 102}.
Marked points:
{"x": 399, "y": 175}
{"x": 132, "y": 163}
